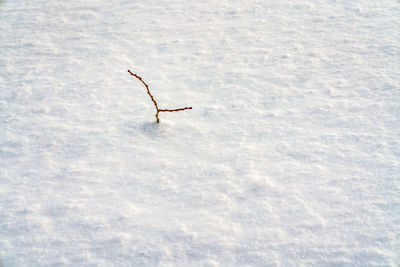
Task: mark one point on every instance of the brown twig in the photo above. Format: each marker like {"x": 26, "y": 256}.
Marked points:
{"x": 154, "y": 101}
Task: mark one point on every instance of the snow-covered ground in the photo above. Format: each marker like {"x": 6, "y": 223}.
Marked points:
{"x": 290, "y": 156}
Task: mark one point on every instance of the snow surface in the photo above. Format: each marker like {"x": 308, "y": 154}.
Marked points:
{"x": 290, "y": 156}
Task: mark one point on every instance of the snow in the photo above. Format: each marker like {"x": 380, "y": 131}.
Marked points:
{"x": 289, "y": 157}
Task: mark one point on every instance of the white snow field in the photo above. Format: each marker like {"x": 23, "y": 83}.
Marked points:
{"x": 289, "y": 157}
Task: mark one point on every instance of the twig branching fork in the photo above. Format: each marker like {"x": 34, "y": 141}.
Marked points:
{"x": 154, "y": 101}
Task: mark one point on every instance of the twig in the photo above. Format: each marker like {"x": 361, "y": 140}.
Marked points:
{"x": 154, "y": 101}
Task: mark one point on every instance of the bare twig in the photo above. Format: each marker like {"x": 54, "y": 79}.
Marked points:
{"x": 178, "y": 109}
{"x": 154, "y": 101}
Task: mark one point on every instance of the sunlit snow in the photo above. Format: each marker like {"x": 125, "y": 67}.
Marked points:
{"x": 289, "y": 157}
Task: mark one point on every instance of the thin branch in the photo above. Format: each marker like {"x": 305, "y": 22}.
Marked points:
{"x": 154, "y": 101}
{"x": 147, "y": 87}
{"x": 178, "y": 109}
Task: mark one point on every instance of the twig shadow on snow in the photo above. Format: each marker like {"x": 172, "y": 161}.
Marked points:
{"x": 150, "y": 129}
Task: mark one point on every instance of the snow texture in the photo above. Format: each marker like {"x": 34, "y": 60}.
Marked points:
{"x": 290, "y": 156}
